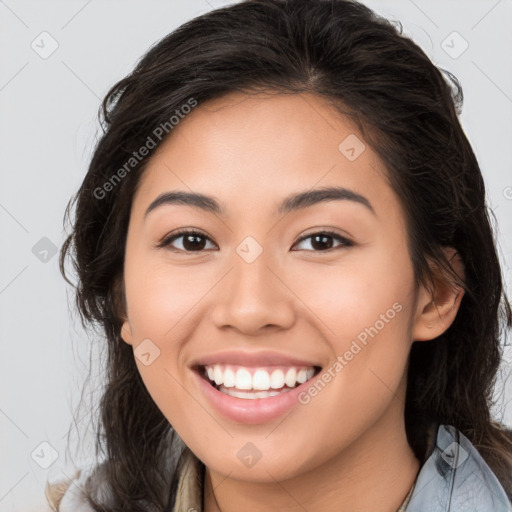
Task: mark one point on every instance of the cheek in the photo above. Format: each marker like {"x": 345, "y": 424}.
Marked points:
{"x": 157, "y": 305}
{"x": 161, "y": 295}
{"x": 352, "y": 294}
{"x": 160, "y": 303}
{"x": 363, "y": 310}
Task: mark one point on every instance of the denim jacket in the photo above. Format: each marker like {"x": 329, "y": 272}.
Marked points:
{"x": 456, "y": 478}
{"x": 453, "y": 478}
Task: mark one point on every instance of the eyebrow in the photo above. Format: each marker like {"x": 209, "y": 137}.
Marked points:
{"x": 292, "y": 202}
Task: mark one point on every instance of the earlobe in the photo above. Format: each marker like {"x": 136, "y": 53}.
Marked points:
{"x": 119, "y": 300}
{"x": 126, "y": 333}
{"x": 437, "y": 309}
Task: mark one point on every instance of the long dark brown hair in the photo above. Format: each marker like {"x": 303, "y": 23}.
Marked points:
{"x": 407, "y": 110}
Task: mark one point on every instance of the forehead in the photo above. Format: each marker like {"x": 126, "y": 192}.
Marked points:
{"x": 263, "y": 146}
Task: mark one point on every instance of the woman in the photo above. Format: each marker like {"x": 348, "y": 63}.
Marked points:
{"x": 283, "y": 234}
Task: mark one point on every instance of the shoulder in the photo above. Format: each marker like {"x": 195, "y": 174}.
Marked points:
{"x": 66, "y": 495}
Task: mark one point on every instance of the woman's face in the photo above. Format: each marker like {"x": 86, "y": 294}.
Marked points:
{"x": 263, "y": 279}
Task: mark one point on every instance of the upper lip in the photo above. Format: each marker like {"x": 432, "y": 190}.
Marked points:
{"x": 259, "y": 358}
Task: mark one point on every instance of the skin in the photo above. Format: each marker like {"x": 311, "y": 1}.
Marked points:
{"x": 250, "y": 152}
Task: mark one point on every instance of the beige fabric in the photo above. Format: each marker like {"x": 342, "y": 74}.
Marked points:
{"x": 189, "y": 495}
{"x": 403, "y": 506}
{"x": 55, "y": 492}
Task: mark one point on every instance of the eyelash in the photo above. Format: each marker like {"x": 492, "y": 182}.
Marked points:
{"x": 166, "y": 242}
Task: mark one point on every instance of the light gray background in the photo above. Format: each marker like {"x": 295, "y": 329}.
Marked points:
{"x": 48, "y": 126}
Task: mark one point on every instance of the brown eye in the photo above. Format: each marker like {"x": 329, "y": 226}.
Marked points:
{"x": 192, "y": 241}
{"x": 195, "y": 241}
{"x": 323, "y": 241}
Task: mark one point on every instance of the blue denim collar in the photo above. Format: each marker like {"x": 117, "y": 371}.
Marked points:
{"x": 455, "y": 478}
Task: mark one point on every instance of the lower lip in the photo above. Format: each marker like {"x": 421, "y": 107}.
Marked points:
{"x": 251, "y": 411}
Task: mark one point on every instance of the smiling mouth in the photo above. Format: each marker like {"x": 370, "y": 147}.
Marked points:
{"x": 252, "y": 383}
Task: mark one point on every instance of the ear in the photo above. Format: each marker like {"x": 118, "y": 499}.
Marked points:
{"x": 126, "y": 333}
{"x": 437, "y": 309}
{"x": 119, "y": 302}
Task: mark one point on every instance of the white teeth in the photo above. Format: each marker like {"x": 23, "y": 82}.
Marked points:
{"x": 258, "y": 379}
{"x": 277, "y": 379}
{"x": 251, "y": 395}
{"x": 291, "y": 377}
{"x": 302, "y": 376}
{"x": 243, "y": 379}
{"x": 229, "y": 378}
{"x": 217, "y": 375}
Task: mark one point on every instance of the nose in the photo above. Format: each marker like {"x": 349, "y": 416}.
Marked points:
{"x": 253, "y": 297}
